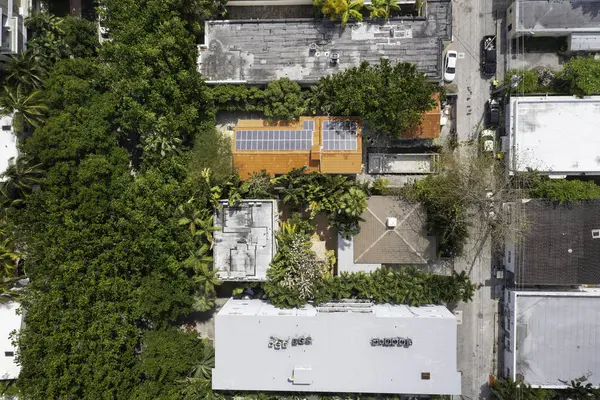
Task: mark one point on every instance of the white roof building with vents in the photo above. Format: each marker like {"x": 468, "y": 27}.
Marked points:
{"x": 244, "y": 242}
{"x": 9, "y": 321}
{"x": 337, "y": 348}
{"x": 552, "y": 338}
{"x": 555, "y": 135}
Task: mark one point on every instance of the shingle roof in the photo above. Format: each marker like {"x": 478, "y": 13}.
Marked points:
{"x": 558, "y": 248}
{"x": 408, "y": 243}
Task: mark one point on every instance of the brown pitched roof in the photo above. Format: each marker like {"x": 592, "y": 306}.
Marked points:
{"x": 407, "y": 243}
{"x": 429, "y": 128}
{"x": 315, "y": 157}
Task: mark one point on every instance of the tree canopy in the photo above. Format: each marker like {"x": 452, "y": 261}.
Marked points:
{"x": 391, "y": 98}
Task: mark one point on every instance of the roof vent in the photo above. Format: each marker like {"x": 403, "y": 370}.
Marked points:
{"x": 595, "y": 233}
{"x": 391, "y": 222}
{"x": 334, "y": 58}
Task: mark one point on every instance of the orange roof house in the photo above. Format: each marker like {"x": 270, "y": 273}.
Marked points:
{"x": 429, "y": 128}
{"x": 327, "y": 144}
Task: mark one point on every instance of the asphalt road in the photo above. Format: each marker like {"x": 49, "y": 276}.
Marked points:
{"x": 472, "y": 20}
{"x": 477, "y": 332}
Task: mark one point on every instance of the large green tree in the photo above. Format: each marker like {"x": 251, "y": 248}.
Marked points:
{"x": 582, "y": 75}
{"x": 390, "y": 97}
{"x": 103, "y": 246}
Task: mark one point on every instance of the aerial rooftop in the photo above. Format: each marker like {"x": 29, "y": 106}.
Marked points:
{"x": 244, "y": 243}
{"x": 556, "y": 16}
{"x": 556, "y": 135}
{"x": 392, "y": 232}
{"x": 560, "y": 244}
{"x": 553, "y": 337}
{"x": 257, "y": 348}
{"x": 260, "y": 51}
{"x": 326, "y": 144}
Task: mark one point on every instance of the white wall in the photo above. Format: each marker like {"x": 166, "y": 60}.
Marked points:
{"x": 509, "y": 335}
{"x": 9, "y": 321}
{"x": 8, "y": 143}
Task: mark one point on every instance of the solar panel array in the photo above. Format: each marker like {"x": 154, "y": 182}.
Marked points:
{"x": 339, "y": 135}
{"x": 274, "y": 139}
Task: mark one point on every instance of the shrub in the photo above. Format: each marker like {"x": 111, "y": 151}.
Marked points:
{"x": 295, "y": 271}
{"x": 565, "y": 191}
{"x": 390, "y": 97}
{"x": 582, "y": 75}
{"x": 408, "y": 285}
{"x": 283, "y": 100}
{"x": 237, "y": 98}
{"x": 528, "y": 81}
{"x": 446, "y": 211}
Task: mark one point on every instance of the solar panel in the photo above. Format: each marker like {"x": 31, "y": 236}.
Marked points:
{"x": 274, "y": 139}
{"x": 339, "y": 135}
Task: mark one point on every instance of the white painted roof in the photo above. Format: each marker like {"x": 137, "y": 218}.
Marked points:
{"x": 556, "y": 135}
{"x": 341, "y": 357}
{"x": 9, "y": 321}
{"x": 557, "y": 337}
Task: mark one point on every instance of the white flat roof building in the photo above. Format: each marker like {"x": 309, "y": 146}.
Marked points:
{"x": 9, "y": 321}
{"x": 555, "y": 135}
{"x": 336, "y": 347}
{"x": 552, "y": 338}
{"x": 244, "y": 243}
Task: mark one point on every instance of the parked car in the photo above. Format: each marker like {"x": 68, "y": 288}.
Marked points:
{"x": 450, "y": 65}
{"x": 488, "y": 55}
{"x": 493, "y": 112}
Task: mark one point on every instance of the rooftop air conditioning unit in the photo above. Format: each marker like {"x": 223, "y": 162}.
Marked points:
{"x": 391, "y": 222}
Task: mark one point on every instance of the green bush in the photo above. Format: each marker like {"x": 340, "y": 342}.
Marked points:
{"x": 294, "y": 275}
{"x": 391, "y": 97}
{"x": 408, "y": 285}
{"x": 582, "y": 75}
{"x": 528, "y": 83}
{"x": 237, "y": 98}
{"x": 283, "y": 100}
{"x": 446, "y": 211}
{"x": 566, "y": 191}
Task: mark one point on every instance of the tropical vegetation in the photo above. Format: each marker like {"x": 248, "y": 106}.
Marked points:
{"x": 341, "y": 10}
{"x": 108, "y": 209}
{"x": 390, "y": 97}
{"x": 579, "y": 76}
{"x": 382, "y": 8}
{"x": 296, "y": 277}
{"x": 565, "y": 191}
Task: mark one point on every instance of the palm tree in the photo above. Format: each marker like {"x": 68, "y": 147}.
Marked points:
{"x": 8, "y": 258}
{"x": 206, "y": 363}
{"x": 351, "y": 8}
{"x": 382, "y": 8}
{"x": 199, "y": 222}
{"x": 20, "y": 179}
{"x": 26, "y": 68}
{"x": 341, "y": 9}
{"x": 26, "y": 108}
{"x": 205, "y": 278}
{"x": 353, "y": 203}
